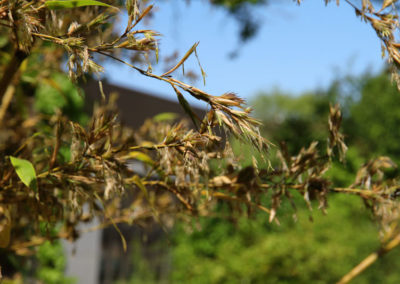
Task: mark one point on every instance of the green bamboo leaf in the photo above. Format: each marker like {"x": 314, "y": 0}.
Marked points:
{"x": 67, "y": 4}
{"x": 186, "y": 56}
{"x": 165, "y": 117}
{"x": 141, "y": 157}
{"x": 203, "y": 74}
{"x": 387, "y": 3}
{"x": 186, "y": 107}
{"x": 25, "y": 171}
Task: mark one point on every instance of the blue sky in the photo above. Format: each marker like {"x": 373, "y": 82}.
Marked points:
{"x": 298, "y": 49}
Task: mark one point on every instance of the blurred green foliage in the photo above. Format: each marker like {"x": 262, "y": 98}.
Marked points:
{"x": 304, "y": 252}
{"x": 51, "y": 264}
{"x": 57, "y": 92}
{"x": 46, "y": 266}
{"x": 375, "y": 117}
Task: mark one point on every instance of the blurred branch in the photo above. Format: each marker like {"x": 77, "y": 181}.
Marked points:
{"x": 5, "y": 102}
{"x": 369, "y": 260}
{"x": 11, "y": 70}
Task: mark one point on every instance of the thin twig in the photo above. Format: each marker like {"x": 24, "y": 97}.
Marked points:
{"x": 361, "y": 192}
{"x": 221, "y": 195}
{"x": 181, "y": 198}
{"x": 57, "y": 145}
{"x": 5, "y": 102}
{"x": 352, "y": 5}
{"x": 148, "y": 74}
{"x": 156, "y": 147}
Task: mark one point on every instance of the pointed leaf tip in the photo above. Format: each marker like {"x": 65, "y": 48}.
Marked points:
{"x": 25, "y": 171}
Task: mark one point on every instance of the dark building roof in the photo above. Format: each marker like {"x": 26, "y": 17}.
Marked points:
{"x": 135, "y": 106}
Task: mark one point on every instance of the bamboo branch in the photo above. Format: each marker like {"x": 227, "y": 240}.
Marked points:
{"x": 361, "y": 192}
{"x": 156, "y": 147}
{"x": 5, "y": 102}
{"x": 57, "y": 144}
{"x": 369, "y": 260}
{"x": 220, "y": 195}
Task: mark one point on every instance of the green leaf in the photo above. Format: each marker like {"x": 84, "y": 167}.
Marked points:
{"x": 165, "y": 117}
{"x": 25, "y": 171}
{"x": 186, "y": 107}
{"x": 141, "y": 157}
{"x": 67, "y": 4}
{"x": 203, "y": 74}
{"x": 188, "y": 53}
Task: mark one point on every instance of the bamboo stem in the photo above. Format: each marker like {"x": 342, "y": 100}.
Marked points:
{"x": 11, "y": 70}
{"x": 369, "y": 260}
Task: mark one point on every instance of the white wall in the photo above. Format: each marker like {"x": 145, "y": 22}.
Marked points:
{"x": 83, "y": 256}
